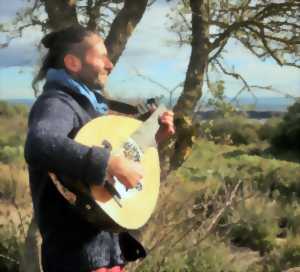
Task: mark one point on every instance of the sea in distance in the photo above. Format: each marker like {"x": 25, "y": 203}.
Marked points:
{"x": 280, "y": 104}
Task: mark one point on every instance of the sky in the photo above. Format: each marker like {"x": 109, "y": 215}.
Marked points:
{"x": 151, "y": 50}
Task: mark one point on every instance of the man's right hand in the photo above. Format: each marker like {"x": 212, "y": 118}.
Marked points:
{"x": 127, "y": 172}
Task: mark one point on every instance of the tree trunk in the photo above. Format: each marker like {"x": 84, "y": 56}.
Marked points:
{"x": 198, "y": 61}
{"x": 61, "y": 13}
{"x": 123, "y": 26}
{"x": 192, "y": 91}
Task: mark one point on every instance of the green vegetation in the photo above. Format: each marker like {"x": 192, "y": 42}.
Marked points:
{"x": 288, "y": 133}
{"x": 15, "y": 206}
{"x": 258, "y": 232}
{"x": 12, "y": 131}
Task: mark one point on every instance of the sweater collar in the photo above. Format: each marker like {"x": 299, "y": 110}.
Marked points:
{"x": 61, "y": 77}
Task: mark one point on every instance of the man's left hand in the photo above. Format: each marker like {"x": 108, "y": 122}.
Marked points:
{"x": 166, "y": 127}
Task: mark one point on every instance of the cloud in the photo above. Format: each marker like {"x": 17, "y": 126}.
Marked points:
{"x": 9, "y": 10}
{"x": 22, "y": 51}
{"x": 259, "y": 72}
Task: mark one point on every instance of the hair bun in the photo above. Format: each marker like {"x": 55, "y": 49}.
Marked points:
{"x": 72, "y": 34}
{"x": 49, "y": 40}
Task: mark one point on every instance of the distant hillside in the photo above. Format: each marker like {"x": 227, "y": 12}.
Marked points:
{"x": 252, "y": 114}
{"x": 27, "y": 102}
{"x": 262, "y": 104}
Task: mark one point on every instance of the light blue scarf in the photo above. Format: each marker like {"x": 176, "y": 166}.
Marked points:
{"x": 63, "y": 78}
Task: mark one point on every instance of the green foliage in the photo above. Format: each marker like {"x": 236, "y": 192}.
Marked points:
{"x": 211, "y": 256}
{"x": 9, "y": 248}
{"x": 282, "y": 258}
{"x": 12, "y": 132}
{"x": 290, "y": 218}
{"x": 290, "y": 253}
{"x": 269, "y": 129}
{"x": 9, "y": 154}
{"x": 256, "y": 225}
{"x": 235, "y": 130}
{"x": 8, "y": 110}
{"x": 284, "y": 183}
{"x": 288, "y": 131}
{"x": 218, "y": 101}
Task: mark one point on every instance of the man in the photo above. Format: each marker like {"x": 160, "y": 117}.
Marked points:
{"x": 75, "y": 67}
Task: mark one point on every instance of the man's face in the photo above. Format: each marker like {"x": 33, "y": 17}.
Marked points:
{"x": 96, "y": 65}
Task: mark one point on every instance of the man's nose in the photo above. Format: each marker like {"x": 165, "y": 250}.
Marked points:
{"x": 108, "y": 65}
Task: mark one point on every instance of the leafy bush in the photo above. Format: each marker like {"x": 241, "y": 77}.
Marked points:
{"x": 235, "y": 130}
{"x": 9, "y": 248}
{"x": 290, "y": 253}
{"x": 290, "y": 218}
{"x": 10, "y": 154}
{"x": 254, "y": 225}
{"x": 284, "y": 183}
{"x": 269, "y": 129}
{"x": 288, "y": 131}
{"x": 211, "y": 256}
{"x": 8, "y": 110}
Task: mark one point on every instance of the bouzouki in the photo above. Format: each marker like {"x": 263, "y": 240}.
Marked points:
{"x": 112, "y": 206}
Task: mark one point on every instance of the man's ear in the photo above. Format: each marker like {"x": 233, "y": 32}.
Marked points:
{"x": 72, "y": 63}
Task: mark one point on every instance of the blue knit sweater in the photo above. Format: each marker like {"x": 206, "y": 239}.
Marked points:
{"x": 69, "y": 242}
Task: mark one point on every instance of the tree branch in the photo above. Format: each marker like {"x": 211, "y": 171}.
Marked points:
{"x": 123, "y": 26}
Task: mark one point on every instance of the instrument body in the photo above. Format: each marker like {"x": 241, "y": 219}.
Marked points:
{"x": 128, "y": 209}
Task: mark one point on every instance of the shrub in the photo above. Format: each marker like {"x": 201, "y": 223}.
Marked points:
{"x": 288, "y": 131}
{"x": 9, "y": 154}
{"x": 211, "y": 256}
{"x": 284, "y": 183}
{"x": 238, "y": 129}
{"x": 9, "y": 248}
{"x": 268, "y": 130}
{"x": 255, "y": 225}
{"x": 9, "y": 110}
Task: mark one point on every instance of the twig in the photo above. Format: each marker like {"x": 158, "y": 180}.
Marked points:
{"x": 169, "y": 90}
{"x": 9, "y": 259}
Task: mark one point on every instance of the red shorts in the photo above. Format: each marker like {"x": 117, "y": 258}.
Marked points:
{"x": 113, "y": 269}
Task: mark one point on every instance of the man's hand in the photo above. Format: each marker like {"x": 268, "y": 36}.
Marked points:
{"x": 127, "y": 172}
{"x": 166, "y": 128}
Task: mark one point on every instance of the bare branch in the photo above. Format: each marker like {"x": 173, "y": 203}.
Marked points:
{"x": 169, "y": 90}
{"x": 7, "y": 258}
{"x": 219, "y": 51}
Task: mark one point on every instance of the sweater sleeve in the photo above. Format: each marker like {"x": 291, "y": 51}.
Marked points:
{"x": 48, "y": 145}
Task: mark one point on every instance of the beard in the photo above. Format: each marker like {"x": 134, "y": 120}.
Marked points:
{"x": 90, "y": 77}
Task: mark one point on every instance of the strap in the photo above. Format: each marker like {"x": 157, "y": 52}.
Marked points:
{"x": 141, "y": 112}
{"x": 118, "y": 106}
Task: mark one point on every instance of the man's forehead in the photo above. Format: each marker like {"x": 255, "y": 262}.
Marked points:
{"x": 94, "y": 41}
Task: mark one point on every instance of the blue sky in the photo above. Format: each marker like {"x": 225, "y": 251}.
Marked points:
{"x": 148, "y": 51}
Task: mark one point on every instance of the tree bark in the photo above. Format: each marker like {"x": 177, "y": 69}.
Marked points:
{"x": 185, "y": 131}
{"x": 123, "y": 26}
{"x": 198, "y": 61}
{"x": 61, "y": 13}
